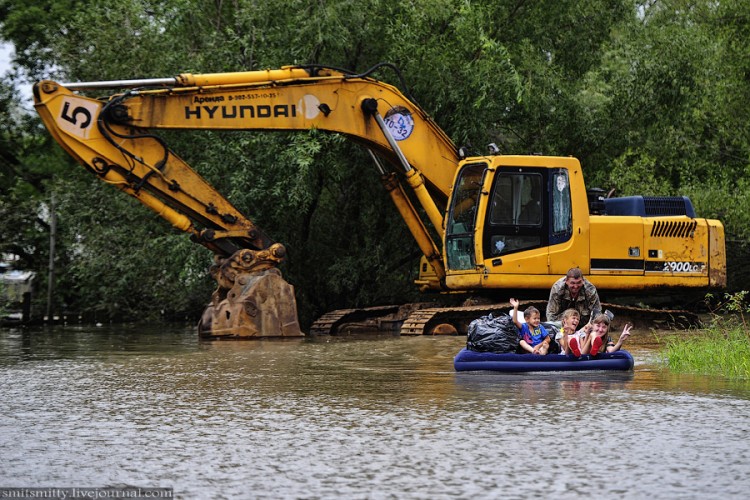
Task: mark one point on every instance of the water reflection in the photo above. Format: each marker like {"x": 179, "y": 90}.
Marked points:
{"x": 541, "y": 387}
{"x": 379, "y": 417}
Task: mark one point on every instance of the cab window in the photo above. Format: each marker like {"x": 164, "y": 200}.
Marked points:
{"x": 516, "y": 213}
{"x": 562, "y": 213}
{"x": 459, "y": 236}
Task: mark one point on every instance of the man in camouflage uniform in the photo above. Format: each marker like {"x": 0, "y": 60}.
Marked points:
{"x": 573, "y": 291}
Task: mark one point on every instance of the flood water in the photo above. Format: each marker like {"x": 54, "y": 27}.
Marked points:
{"x": 360, "y": 418}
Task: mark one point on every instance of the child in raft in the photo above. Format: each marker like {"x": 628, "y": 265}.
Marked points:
{"x": 570, "y": 319}
{"x": 592, "y": 337}
{"x": 534, "y": 338}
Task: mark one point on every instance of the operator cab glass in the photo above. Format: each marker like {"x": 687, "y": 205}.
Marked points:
{"x": 459, "y": 234}
{"x": 516, "y": 213}
{"x": 562, "y": 214}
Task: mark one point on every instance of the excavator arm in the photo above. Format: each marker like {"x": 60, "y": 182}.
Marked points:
{"x": 112, "y": 138}
{"x": 141, "y": 165}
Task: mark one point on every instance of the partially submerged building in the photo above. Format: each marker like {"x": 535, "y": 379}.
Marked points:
{"x": 16, "y": 287}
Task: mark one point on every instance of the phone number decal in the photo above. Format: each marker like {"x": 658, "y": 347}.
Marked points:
{"x": 249, "y": 97}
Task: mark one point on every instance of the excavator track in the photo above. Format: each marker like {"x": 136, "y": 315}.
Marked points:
{"x": 327, "y": 323}
{"x": 426, "y": 319}
{"x": 438, "y": 320}
{"x": 368, "y": 318}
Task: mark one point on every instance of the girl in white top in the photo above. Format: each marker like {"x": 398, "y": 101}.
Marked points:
{"x": 570, "y": 320}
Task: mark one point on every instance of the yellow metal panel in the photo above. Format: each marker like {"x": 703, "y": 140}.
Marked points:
{"x": 526, "y": 262}
{"x": 649, "y": 252}
{"x": 644, "y": 283}
{"x": 521, "y": 281}
{"x": 616, "y": 245}
{"x": 571, "y": 253}
{"x": 466, "y": 280}
{"x": 676, "y": 247}
{"x": 717, "y": 255}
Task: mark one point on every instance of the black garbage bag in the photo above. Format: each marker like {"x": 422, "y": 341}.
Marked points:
{"x": 492, "y": 334}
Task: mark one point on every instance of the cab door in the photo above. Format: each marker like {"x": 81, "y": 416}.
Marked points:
{"x": 516, "y": 229}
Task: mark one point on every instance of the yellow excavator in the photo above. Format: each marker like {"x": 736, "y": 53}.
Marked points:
{"x": 503, "y": 222}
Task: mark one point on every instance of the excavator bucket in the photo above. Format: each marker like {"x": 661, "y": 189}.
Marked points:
{"x": 249, "y": 304}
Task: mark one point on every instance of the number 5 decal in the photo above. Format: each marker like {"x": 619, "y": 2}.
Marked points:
{"x": 77, "y": 116}
{"x": 78, "y": 112}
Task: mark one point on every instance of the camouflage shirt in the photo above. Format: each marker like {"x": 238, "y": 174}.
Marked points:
{"x": 587, "y": 303}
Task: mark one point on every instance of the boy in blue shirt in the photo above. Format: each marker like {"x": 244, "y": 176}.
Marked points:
{"x": 533, "y": 336}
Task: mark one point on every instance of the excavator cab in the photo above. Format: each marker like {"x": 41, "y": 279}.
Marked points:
{"x": 529, "y": 208}
{"x": 511, "y": 220}
{"x": 507, "y": 213}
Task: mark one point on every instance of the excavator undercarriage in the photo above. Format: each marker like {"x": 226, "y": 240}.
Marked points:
{"x": 431, "y": 319}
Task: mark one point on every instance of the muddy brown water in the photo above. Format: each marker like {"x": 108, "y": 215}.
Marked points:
{"x": 365, "y": 417}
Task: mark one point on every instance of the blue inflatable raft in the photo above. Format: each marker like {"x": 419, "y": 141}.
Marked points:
{"x": 467, "y": 360}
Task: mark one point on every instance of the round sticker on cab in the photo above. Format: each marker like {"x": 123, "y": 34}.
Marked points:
{"x": 399, "y": 122}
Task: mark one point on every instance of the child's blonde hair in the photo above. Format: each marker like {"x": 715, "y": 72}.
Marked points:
{"x": 569, "y": 313}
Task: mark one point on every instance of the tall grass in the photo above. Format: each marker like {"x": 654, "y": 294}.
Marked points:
{"x": 723, "y": 348}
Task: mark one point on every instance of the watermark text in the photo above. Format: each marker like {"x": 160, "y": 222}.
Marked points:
{"x": 130, "y": 493}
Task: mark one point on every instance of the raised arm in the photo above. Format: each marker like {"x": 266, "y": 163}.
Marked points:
{"x": 514, "y": 303}
{"x": 623, "y": 337}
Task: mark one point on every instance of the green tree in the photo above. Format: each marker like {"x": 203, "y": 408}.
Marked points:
{"x": 24, "y": 201}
